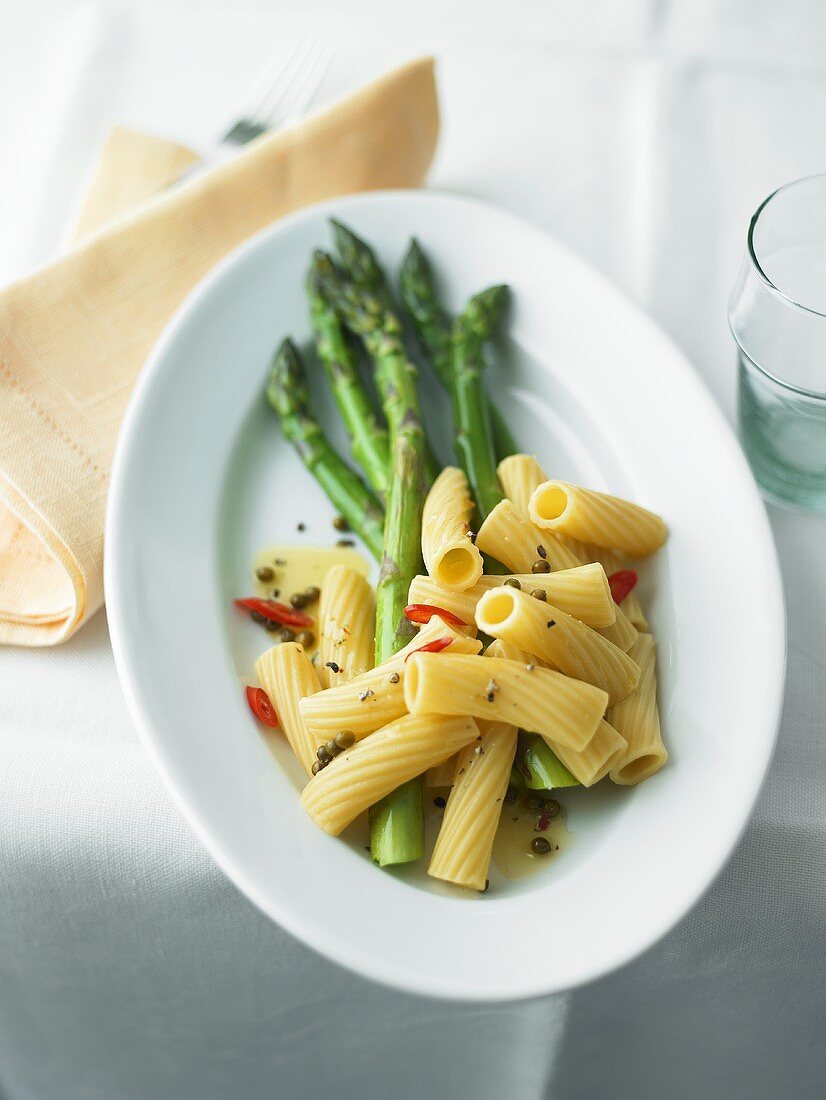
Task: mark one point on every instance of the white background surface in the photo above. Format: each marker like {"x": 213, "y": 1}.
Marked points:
{"x": 641, "y": 134}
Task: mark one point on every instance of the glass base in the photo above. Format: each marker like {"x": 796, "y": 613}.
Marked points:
{"x": 784, "y": 437}
{"x": 790, "y": 504}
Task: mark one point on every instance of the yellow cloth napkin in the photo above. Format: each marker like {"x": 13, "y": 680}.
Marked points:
{"x": 74, "y": 335}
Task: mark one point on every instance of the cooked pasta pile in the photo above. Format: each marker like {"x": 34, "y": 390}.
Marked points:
{"x": 571, "y": 661}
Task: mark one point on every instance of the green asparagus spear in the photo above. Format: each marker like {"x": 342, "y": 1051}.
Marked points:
{"x": 362, "y": 298}
{"x": 397, "y": 821}
{"x": 369, "y": 441}
{"x": 471, "y": 415}
{"x": 359, "y": 263}
{"x": 433, "y": 328}
{"x": 288, "y": 395}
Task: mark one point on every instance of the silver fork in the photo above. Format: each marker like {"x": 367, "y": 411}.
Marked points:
{"x": 281, "y": 94}
{"x": 283, "y": 91}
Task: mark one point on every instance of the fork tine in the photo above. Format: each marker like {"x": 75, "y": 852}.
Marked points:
{"x": 271, "y": 74}
{"x": 304, "y": 90}
{"x": 288, "y": 73}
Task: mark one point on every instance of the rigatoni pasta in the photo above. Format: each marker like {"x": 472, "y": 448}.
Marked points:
{"x": 442, "y": 774}
{"x": 509, "y": 536}
{"x": 287, "y": 677}
{"x": 363, "y": 775}
{"x": 582, "y": 592}
{"x": 346, "y": 626}
{"x": 536, "y": 699}
{"x": 638, "y": 720}
{"x": 450, "y": 556}
{"x": 519, "y": 475}
{"x": 377, "y": 697}
{"x": 630, "y": 606}
{"x": 463, "y": 847}
{"x": 557, "y": 638}
{"x": 594, "y": 762}
{"x": 621, "y": 632}
{"x": 590, "y": 516}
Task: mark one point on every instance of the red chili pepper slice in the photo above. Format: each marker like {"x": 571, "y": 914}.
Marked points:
{"x": 261, "y": 706}
{"x": 277, "y": 612}
{"x": 436, "y": 646}
{"x": 621, "y": 584}
{"x": 424, "y": 612}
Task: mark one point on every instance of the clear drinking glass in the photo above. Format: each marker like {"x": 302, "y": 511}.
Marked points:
{"x": 777, "y": 314}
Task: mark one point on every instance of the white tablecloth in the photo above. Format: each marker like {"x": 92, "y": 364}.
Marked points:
{"x": 643, "y": 134}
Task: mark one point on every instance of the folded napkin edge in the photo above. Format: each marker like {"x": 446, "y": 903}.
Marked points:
{"x": 64, "y": 620}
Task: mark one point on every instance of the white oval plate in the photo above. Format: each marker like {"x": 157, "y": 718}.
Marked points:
{"x": 202, "y": 479}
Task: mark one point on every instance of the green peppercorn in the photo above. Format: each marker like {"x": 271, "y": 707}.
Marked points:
{"x": 540, "y": 594}
{"x": 340, "y": 523}
{"x": 533, "y": 803}
{"x": 312, "y": 593}
{"x": 317, "y": 766}
{"x": 551, "y": 807}
{"x": 541, "y": 566}
{"x": 264, "y": 573}
{"x": 286, "y": 634}
{"x": 257, "y": 617}
{"x": 345, "y": 739}
{"x": 540, "y": 845}
{"x": 332, "y": 748}
{"x": 298, "y": 600}
{"x": 305, "y": 638}
{"x": 322, "y": 754}
{"x": 513, "y": 582}
{"x": 272, "y": 626}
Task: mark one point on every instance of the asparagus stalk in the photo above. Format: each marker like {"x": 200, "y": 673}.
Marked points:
{"x": 397, "y": 821}
{"x": 471, "y": 412}
{"x": 288, "y": 395}
{"x": 433, "y": 328}
{"x": 362, "y": 297}
{"x": 369, "y": 440}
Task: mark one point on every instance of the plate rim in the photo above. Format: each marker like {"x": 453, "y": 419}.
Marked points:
{"x": 357, "y": 961}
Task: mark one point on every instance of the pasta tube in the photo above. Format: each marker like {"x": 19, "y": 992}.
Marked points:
{"x": 376, "y": 697}
{"x": 464, "y": 845}
{"x": 509, "y": 536}
{"x": 582, "y": 592}
{"x": 540, "y": 700}
{"x": 510, "y": 652}
{"x": 442, "y": 774}
{"x": 620, "y": 632}
{"x": 593, "y": 763}
{"x": 555, "y": 637}
{"x": 638, "y": 720}
{"x": 596, "y": 517}
{"x": 287, "y": 676}
{"x": 363, "y": 775}
{"x": 449, "y": 555}
{"x": 631, "y": 606}
{"x": 519, "y": 475}
{"x": 347, "y": 623}
{"x": 462, "y": 604}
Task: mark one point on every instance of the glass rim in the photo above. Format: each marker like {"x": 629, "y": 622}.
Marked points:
{"x": 773, "y": 289}
{"x": 753, "y": 252}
